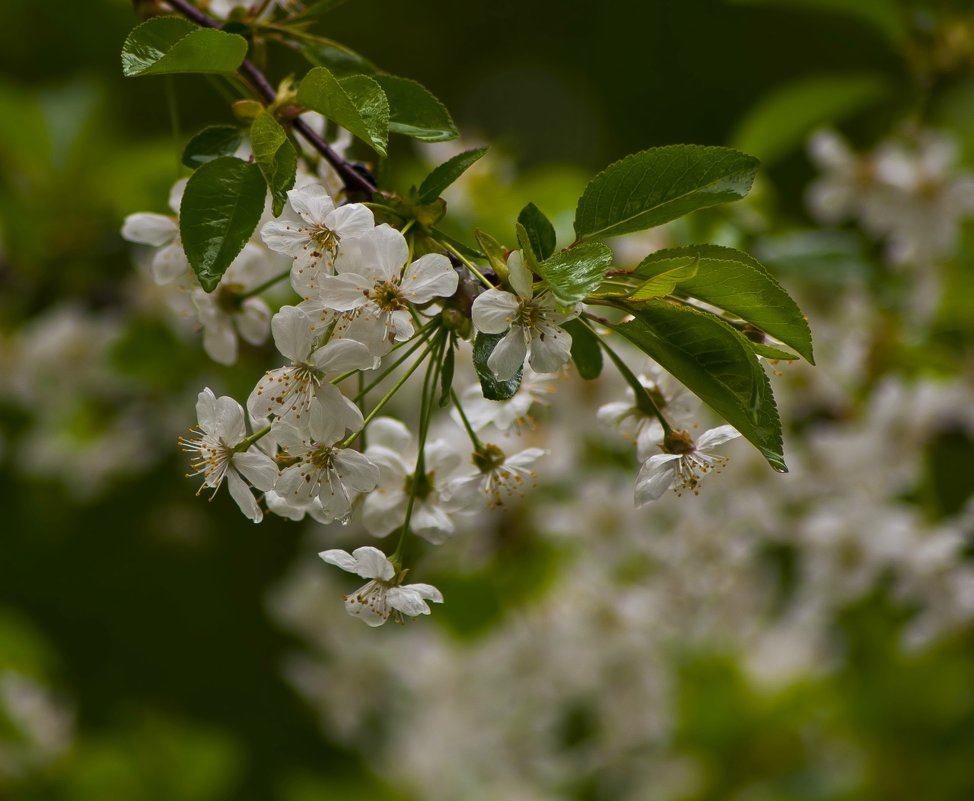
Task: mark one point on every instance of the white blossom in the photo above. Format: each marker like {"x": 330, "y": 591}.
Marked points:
{"x": 392, "y": 449}
{"x": 303, "y": 389}
{"x": 313, "y": 231}
{"x": 497, "y": 479}
{"x": 531, "y": 323}
{"x": 373, "y": 291}
{"x": 374, "y": 601}
{"x": 215, "y": 456}
{"x": 161, "y": 232}
{"x": 684, "y": 463}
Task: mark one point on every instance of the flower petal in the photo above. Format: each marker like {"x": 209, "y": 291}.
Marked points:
{"x": 551, "y": 348}
{"x": 519, "y": 275}
{"x": 258, "y": 468}
{"x": 508, "y": 354}
{"x": 372, "y": 563}
{"x": 493, "y": 311}
{"x": 241, "y": 493}
{"x": 430, "y": 276}
{"x": 312, "y": 202}
{"x": 355, "y": 470}
{"x": 407, "y": 600}
{"x": 344, "y": 292}
{"x": 352, "y": 219}
{"x": 146, "y": 228}
{"x": 655, "y": 477}
{"x": 377, "y": 255}
{"x": 293, "y": 333}
{"x": 716, "y": 436}
{"x": 340, "y": 558}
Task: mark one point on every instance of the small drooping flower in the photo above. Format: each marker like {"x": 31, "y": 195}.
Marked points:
{"x": 638, "y": 423}
{"x": 373, "y": 291}
{"x": 497, "y": 479}
{"x": 221, "y": 429}
{"x": 532, "y": 324}
{"x": 162, "y": 232}
{"x": 313, "y": 232}
{"x": 302, "y": 390}
{"x": 384, "y": 594}
{"x": 392, "y": 449}
{"x": 683, "y": 463}
{"x": 323, "y": 470}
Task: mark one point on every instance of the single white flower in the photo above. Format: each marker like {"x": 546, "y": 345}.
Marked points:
{"x": 497, "y": 479}
{"x": 324, "y": 470}
{"x": 392, "y": 449}
{"x": 303, "y": 389}
{"x": 162, "y": 232}
{"x": 313, "y": 231}
{"x": 640, "y": 425}
{"x": 374, "y": 601}
{"x": 371, "y": 287}
{"x": 221, "y": 429}
{"x": 684, "y": 463}
{"x": 532, "y": 324}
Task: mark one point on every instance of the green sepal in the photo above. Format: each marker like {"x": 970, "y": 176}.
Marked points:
{"x": 356, "y": 103}
{"x": 166, "y": 45}
{"x": 414, "y": 111}
{"x": 276, "y": 157}
{"x": 716, "y": 363}
{"x": 541, "y": 232}
{"x": 211, "y": 143}
{"x": 446, "y": 173}
{"x": 586, "y": 352}
{"x": 531, "y": 259}
{"x": 492, "y": 387}
{"x": 221, "y": 207}
{"x": 575, "y": 273}
{"x": 737, "y": 283}
{"x": 494, "y": 252}
{"x": 655, "y": 186}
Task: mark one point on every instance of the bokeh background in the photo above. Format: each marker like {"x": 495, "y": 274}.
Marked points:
{"x": 798, "y": 637}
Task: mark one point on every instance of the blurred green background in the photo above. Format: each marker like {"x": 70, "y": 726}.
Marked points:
{"x": 145, "y": 607}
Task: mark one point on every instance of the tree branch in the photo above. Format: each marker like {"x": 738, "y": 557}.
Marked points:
{"x": 352, "y": 178}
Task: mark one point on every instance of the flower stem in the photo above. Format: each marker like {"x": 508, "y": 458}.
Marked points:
{"x": 468, "y": 264}
{"x": 477, "y": 444}
{"x": 245, "y": 444}
{"x": 644, "y": 400}
{"x": 266, "y": 285}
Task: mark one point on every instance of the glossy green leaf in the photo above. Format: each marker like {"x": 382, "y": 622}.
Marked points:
{"x": 739, "y": 284}
{"x": 665, "y": 282}
{"x": 586, "y": 352}
{"x": 211, "y": 143}
{"x": 769, "y": 352}
{"x": 531, "y": 261}
{"x": 164, "y": 45}
{"x": 658, "y": 185}
{"x": 221, "y": 207}
{"x": 539, "y": 229}
{"x": 493, "y": 251}
{"x": 493, "y": 389}
{"x": 575, "y": 273}
{"x": 415, "y": 112}
{"x": 446, "y": 173}
{"x": 780, "y": 123}
{"x": 276, "y": 157}
{"x": 356, "y": 103}
{"x": 714, "y": 362}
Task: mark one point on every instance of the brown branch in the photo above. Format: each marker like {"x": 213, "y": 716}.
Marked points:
{"x": 352, "y": 178}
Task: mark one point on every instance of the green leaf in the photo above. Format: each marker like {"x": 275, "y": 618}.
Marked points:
{"x": 531, "y": 261}
{"x": 221, "y": 207}
{"x": 658, "y": 185}
{"x": 714, "y": 362}
{"x": 539, "y": 229}
{"x": 781, "y": 122}
{"x": 356, "y": 103}
{"x": 164, "y": 45}
{"x": 317, "y": 10}
{"x": 577, "y": 272}
{"x": 586, "y": 352}
{"x": 211, "y": 143}
{"x": 493, "y": 389}
{"x": 493, "y": 251}
{"x": 737, "y": 283}
{"x": 446, "y": 373}
{"x": 447, "y": 172}
{"x": 276, "y": 157}
{"x": 415, "y": 112}
{"x": 664, "y": 283}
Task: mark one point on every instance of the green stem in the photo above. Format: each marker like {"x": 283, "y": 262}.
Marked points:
{"x": 245, "y": 444}
{"x": 425, "y": 412}
{"x": 644, "y": 400}
{"x": 266, "y": 285}
{"x": 387, "y": 397}
{"x": 477, "y": 444}
{"x": 467, "y": 263}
